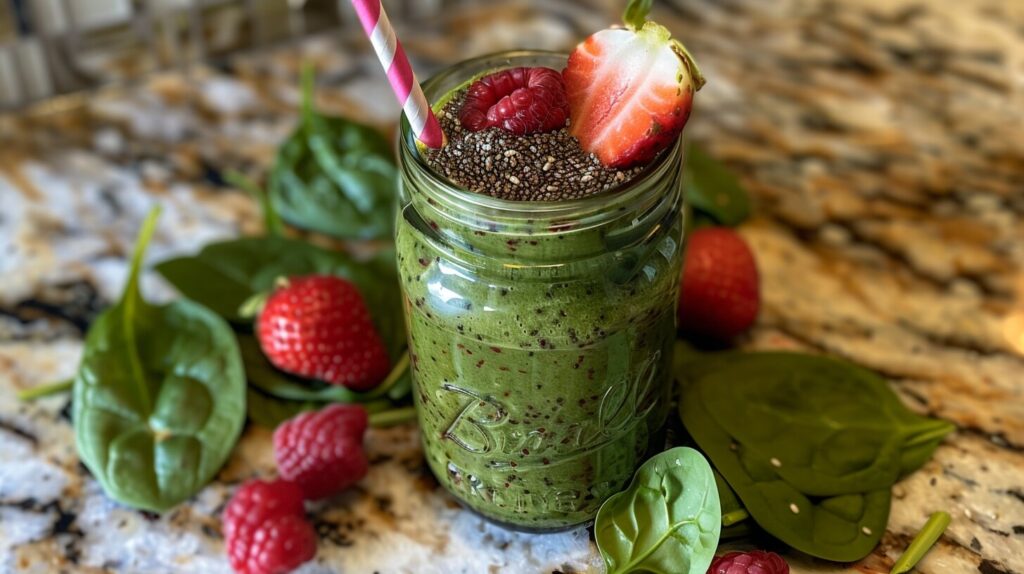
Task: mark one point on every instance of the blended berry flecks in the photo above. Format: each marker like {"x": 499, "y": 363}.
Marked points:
{"x": 547, "y": 166}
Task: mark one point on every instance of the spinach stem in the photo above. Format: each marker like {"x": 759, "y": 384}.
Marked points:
{"x": 937, "y": 432}
{"x": 131, "y": 300}
{"x": 271, "y": 219}
{"x": 736, "y": 516}
{"x": 922, "y": 543}
{"x": 308, "y": 87}
{"x": 41, "y": 391}
{"x": 396, "y": 373}
{"x": 393, "y": 417}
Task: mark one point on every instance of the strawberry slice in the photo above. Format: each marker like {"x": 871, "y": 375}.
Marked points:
{"x": 630, "y": 90}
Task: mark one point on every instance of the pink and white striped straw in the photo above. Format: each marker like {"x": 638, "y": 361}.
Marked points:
{"x": 403, "y": 81}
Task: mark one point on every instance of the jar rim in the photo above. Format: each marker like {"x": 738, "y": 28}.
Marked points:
{"x": 619, "y": 193}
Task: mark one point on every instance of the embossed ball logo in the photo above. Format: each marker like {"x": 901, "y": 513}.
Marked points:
{"x": 482, "y": 426}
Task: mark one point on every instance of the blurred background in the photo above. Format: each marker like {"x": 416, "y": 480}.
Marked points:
{"x": 50, "y": 47}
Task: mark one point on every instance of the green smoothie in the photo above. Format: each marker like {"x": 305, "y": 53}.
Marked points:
{"x": 540, "y": 334}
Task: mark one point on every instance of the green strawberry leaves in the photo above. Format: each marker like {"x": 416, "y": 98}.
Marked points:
{"x": 666, "y": 522}
{"x": 159, "y": 397}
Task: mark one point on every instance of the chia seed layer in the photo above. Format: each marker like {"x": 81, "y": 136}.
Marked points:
{"x": 537, "y": 167}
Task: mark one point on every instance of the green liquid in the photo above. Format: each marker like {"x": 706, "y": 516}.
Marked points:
{"x": 537, "y": 399}
{"x": 541, "y": 336}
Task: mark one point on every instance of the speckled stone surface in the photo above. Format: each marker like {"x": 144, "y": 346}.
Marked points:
{"x": 882, "y": 141}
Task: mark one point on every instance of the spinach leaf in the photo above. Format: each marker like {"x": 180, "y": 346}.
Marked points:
{"x": 827, "y": 426}
{"x": 276, "y": 383}
{"x": 713, "y": 189}
{"x": 159, "y": 397}
{"x": 224, "y": 275}
{"x": 269, "y": 411}
{"x": 335, "y": 176}
{"x": 810, "y": 445}
{"x": 667, "y": 521}
{"x": 843, "y": 528}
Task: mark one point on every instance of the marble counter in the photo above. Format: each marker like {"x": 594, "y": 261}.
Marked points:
{"x": 881, "y": 140}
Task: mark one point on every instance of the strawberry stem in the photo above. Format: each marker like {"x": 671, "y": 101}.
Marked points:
{"x": 271, "y": 219}
{"x": 636, "y": 13}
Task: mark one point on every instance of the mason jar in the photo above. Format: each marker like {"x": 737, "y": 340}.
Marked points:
{"x": 540, "y": 333}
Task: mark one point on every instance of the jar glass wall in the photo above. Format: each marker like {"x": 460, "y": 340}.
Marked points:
{"x": 541, "y": 333}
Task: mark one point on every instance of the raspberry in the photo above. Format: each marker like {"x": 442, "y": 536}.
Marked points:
{"x": 520, "y": 100}
{"x": 754, "y": 562}
{"x": 322, "y": 451}
{"x": 265, "y": 528}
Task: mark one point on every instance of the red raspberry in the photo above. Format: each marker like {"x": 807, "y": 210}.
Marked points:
{"x": 265, "y": 528}
{"x": 318, "y": 327}
{"x": 520, "y": 100}
{"x": 322, "y": 451}
{"x": 754, "y": 562}
{"x": 720, "y": 293}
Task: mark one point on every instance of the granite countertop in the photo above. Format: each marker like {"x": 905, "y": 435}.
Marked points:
{"x": 882, "y": 142}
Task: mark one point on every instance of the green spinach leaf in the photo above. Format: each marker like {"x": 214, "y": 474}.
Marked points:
{"x": 159, "y": 397}
{"x": 811, "y": 445}
{"x": 843, "y": 528}
{"x": 224, "y": 275}
{"x": 827, "y": 426}
{"x": 667, "y": 522}
{"x": 713, "y": 189}
{"x": 276, "y": 383}
{"x": 269, "y": 411}
{"x": 335, "y": 176}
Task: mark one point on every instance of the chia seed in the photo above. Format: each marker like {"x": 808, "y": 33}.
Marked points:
{"x": 547, "y": 166}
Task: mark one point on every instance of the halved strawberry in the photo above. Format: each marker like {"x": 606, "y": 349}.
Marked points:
{"x": 630, "y": 90}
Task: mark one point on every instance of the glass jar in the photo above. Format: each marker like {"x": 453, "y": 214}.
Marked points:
{"x": 541, "y": 333}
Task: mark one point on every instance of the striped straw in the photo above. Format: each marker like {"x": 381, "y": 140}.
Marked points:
{"x": 403, "y": 80}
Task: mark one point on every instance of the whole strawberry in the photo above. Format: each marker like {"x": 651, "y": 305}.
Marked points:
{"x": 630, "y": 90}
{"x": 754, "y": 562}
{"x": 720, "y": 293}
{"x": 318, "y": 327}
{"x": 518, "y": 100}
{"x": 266, "y": 530}
{"x": 322, "y": 451}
